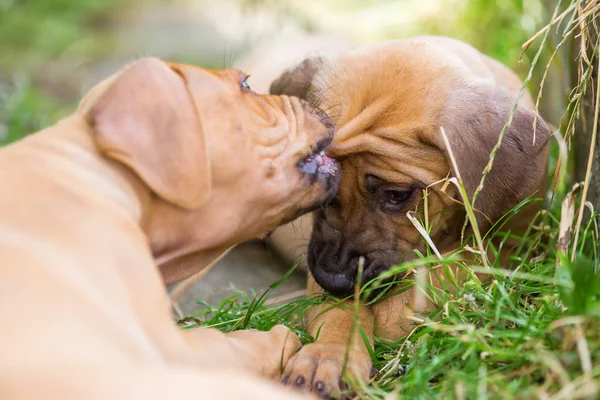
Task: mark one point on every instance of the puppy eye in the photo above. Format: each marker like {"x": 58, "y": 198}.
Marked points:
{"x": 245, "y": 85}
{"x": 394, "y": 198}
{"x": 335, "y": 203}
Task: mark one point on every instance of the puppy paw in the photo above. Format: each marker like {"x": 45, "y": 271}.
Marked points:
{"x": 266, "y": 352}
{"x": 318, "y": 368}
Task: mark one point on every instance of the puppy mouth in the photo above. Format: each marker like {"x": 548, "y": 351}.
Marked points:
{"x": 342, "y": 284}
{"x": 340, "y": 279}
{"x": 317, "y": 163}
{"x": 319, "y": 168}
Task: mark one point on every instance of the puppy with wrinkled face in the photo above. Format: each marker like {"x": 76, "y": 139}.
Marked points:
{"x": 389, "y": 102}
{"x": 161, "y": 164}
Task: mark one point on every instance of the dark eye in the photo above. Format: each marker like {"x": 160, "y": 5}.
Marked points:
{"x": 393, "y": 198}
{"x": 245, "y": 85}
{"x": 335, "y": 203}
{"x": 388, "y": 196}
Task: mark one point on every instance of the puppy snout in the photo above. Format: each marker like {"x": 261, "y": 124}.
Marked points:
{"x": 317, "y": 164}
{"x": 335, "y": 265}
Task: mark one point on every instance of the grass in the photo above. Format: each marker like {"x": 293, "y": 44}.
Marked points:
{"x": 36, "y": 32}
{"x": 25, "y": 109}
{"x": 41, "y": 38}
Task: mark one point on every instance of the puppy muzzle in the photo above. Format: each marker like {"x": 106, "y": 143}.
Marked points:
{"x": 334, "y": 262}
{"x": 318, "y": 164}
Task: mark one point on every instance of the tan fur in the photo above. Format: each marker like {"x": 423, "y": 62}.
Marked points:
{"x": 264, "y": 63}
{"x": 388, "y": 101}
{"x": 162, "y": 162}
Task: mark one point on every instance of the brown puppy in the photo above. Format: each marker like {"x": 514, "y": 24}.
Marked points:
{"x": 160, "y": 161}
{"x": 388, "y": 102}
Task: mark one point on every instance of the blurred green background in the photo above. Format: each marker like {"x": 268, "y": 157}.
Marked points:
{"x": 54, "y": 50}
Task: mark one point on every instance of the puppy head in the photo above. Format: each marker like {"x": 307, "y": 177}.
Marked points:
{"x": 205, "y": 144}
{"x": 388, "y": 102}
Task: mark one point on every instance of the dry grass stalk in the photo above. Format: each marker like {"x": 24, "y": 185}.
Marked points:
{"x": 461, "y": 187}
{"x": 588, "y": 172}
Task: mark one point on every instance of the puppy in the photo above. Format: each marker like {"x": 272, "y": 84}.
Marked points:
{"x": 389, "y": 102}
{"x": 160, "y": 163}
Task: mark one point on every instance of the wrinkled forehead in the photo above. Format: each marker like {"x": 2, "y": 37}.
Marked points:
{"x": 410, "y": 164}
{"x": 381, "y": 97}
{"x": 402, "y": 78}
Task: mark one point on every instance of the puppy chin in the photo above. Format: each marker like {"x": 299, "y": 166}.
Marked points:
{"x": 338, "y": 284}
{"x": 318, "y": 171}
{"x": 330, "y": 187}
{"x": 340, "y": 279}
{"x": 342, "y": 284}
{"x": 310, "y": 209}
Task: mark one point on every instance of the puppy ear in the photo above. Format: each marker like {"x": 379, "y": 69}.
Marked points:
{"x": 297, "y": 81}
{"x": 473, "y": 120}
{"x": 146, "y": 119}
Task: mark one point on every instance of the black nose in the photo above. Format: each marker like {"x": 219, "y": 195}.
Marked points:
{"x": 334, "y": 265}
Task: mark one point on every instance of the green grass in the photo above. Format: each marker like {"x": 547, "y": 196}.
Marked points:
{"x": 36, "y": 36}
{"x": 35, "y": 32}
{"x": 25, "y": 109}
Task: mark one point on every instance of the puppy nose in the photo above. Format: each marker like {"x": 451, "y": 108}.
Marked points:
{"x": 334, "y": 265}
{"x": 337, "y": 258}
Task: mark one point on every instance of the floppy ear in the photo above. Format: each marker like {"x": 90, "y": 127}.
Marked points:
{"x": 146, "y": 119}
{"x": 297, "y": 81}
{"x": 473, "y": 120}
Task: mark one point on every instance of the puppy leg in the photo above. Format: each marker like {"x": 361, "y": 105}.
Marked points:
{"x": 261, "y": 353}
{"x": 267, "y": 353}
{"x": 339, "y": 348}
{"x": 139, "y": 381}
{"x": 319, "y": 367}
